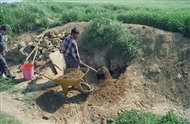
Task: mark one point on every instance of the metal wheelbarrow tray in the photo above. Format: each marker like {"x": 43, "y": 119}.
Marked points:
{"x": 80, "y": 84}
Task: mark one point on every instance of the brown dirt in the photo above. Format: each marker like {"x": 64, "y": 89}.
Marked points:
{"x": 104, "y": 73}
{"x": 150, "y": 83}
{"x": 72, "y": 75}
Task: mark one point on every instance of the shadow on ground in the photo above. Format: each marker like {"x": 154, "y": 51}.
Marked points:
{"x": 51, "y": 101}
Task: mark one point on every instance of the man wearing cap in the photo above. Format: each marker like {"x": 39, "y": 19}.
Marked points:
{"x": 69, "y": 48}
{"x": 4, "y": 29}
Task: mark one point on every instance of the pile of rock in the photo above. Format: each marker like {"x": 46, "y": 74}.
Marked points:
{"x": 49, "y": 43}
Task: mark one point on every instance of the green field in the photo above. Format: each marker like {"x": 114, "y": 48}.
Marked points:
{"x": 168, "y": 15}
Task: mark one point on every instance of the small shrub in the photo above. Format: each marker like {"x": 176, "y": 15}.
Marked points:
{"x": 112, "y": 36}
{"x": 171, "y": 118}
{"x": 134, "y": 117}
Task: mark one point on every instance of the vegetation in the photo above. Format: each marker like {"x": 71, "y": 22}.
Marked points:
{"x": 134, "y": 117}
{"x": 168, "y": 15}
{"x": 7, "y": 119}
{"x": 6, "y": 83}
{"x": 112, "y": 36}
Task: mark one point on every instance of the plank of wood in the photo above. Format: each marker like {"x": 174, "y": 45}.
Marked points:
{"x": 58, "y": 61}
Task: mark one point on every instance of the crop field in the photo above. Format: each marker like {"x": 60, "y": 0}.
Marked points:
{"x": 168, "y": 15}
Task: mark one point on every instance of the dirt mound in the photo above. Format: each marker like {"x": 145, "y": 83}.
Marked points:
{"x": 157, "y": 81}
{"x": 165, "y": 64}
{"x": 103, "y": 73}
{"x": 106, "y": 92}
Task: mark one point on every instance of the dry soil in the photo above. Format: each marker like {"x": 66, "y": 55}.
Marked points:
{"x": 157, "y": 81}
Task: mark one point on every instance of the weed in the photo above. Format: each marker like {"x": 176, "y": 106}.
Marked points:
{"x": 7, "y": 119}
{"x": 6, "y": 83}
{"x": 29, "y": 98}
{"x": 134, "y": 117}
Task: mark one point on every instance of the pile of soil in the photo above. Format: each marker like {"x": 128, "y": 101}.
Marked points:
{"x": 157, "y": 81}
{"x": 103, "y": 73}
{"x": 72, "y": 75}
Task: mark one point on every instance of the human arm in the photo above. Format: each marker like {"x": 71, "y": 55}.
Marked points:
{"x": 75, "y": 52}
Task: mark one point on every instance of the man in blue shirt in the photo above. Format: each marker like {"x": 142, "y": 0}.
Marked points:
{"x": 69, "y": 48}
{"x": 4, "y": 29}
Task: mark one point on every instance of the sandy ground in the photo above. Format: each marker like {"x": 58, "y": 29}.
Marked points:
{"x": 150, "y": 83}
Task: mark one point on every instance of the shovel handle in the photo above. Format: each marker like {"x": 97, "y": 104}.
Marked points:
{"x": 35, "y": 56}
{"x": 89, "y": 67}
{"x": 36, "y": 45}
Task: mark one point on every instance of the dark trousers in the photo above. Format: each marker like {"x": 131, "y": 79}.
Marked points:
{"x": 71, "y": 62}
{"x": 3, "y": 67}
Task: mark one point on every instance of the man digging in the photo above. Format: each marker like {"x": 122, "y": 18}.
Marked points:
{"x": 69, "y": 48}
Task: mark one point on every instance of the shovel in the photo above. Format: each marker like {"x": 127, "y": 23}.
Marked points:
{"x": 102, "y": 73}
{"x": 26, "y": 60}
{"x": 34, "y": 56}
{"x": 89, "y": 67}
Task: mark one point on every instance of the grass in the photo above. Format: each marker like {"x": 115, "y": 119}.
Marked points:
{"x": 134, "y": 117}
{"x": 7, "y": 84}
{"x": 7, "y": 119}
{"x": 29, "y": 98}
{"x": 168, "y": 15}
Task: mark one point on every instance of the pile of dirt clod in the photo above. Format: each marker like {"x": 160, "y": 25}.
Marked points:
{"x": 108, "y": 91}
{"x": 75, "y": 74}
{"x": 103, "y": 73}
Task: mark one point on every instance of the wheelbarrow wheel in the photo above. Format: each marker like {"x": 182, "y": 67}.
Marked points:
{"x": 85, "y": 88}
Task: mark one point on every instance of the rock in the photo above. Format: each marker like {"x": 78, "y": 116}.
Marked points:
{"x": 46, "y": 116}
{"x": 42, "y": 57}
{"x": 14, "y": 50}
{"x": 44, "y": 51}
{"x": 13, "y": 57}
{"x": 21, "y": 44}
{"x": 31, "y": 45}
{"x": 54, "y": 42}
{"x": 154, "y": 69}
{"x": 16, "y": 58}
{"x": 56, "y": 32}
{"x": 110, "y": 120}
{"x": 103, "y": 121}
{"x": 22, "y": 53}
{"x": 45, "y": 43}
{"x": 55, "y": 49}
{"x": 164, "y": 49}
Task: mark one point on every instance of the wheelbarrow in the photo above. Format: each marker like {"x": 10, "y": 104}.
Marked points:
{"x": 80, "y": 84}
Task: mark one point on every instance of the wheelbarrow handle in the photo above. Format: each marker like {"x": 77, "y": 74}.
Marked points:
{"x": 45, "y": 76}
{"x": 89, "y": 67}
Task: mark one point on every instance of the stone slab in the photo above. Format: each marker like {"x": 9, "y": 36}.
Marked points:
{"x": 58, "y": 61}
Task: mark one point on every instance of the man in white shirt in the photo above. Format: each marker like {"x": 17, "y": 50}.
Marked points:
{"x": 4, "y": 30}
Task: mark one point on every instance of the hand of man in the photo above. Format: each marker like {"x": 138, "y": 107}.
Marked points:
{"x": 6, "y": 50}
{"x": 80, "y": 62}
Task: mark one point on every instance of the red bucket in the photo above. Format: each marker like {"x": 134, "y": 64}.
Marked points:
{"x": 27, "y": 71}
